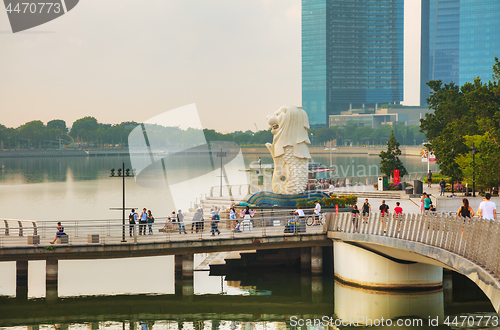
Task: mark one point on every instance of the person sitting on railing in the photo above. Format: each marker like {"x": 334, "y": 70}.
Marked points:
{"x": 167, "y": 226}
{"x": 246, "y": 213}
{"x": 232, "y": 216}
{"x": 237, "y": 227}
{"x": 60, "y": 232}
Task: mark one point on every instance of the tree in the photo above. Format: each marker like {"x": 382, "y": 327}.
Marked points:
{"x": 459, "y": 113}
{"x": 486, "y": 162}
{"x": 389, "y": 159}
{"x": 34, "y": 131}
{"x": 85, "y": 128}
{"x": 58, "y": 124}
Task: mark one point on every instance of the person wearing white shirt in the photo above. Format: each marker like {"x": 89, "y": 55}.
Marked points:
{"x": 331, "y": 188}
{"x": 487, "y": 209}
{"x": 299, "y": 212}
{"x": 317, "y": 211}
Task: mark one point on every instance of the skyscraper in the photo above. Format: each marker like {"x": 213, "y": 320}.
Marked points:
{"x": 352, "y": 55}
{"x": 460, "y": 39}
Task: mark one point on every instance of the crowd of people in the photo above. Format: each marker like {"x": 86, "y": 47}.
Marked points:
{"x": 486, "y": 210}
{"x": 146, "y": 218}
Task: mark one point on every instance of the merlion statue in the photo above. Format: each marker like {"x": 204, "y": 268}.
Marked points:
{"x": 289, "y": 149}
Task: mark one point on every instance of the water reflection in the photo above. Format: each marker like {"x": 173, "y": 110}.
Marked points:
{"x": 368, "y": 305}
{"x": 214, "y": 307}
{"x": 60, "y": 169}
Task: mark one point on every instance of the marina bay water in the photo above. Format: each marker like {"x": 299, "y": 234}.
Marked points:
{"x": 81, "y": 187}
{"x": 140, "y": 293}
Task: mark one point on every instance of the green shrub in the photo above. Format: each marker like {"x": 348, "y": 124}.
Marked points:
{"x": 341, "y": 201}
{"x": 302, "y": 203}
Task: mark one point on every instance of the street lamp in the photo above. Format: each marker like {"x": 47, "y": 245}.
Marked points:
{"x": 331, "y": 149}
{"x": 452, "y": 172}
{"x": 473, "y": 149}
{"x": 122, "y": 173}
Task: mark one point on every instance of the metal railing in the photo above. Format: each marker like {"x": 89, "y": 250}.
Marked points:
{"x": 109, "y": 231}
{"x": 230, "y": 190}
{"x": 476, "y": 240}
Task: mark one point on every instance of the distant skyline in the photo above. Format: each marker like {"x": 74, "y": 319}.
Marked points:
{"x": 128, "y": 61}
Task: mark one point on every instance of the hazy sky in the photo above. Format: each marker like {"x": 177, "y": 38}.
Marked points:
{"x": 122, "y": 60}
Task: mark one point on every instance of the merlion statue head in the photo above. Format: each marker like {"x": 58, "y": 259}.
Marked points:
{"x": 289, "y": 126}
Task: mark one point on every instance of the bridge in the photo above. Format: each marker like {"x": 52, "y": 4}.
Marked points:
{"x": 373, "y": 252}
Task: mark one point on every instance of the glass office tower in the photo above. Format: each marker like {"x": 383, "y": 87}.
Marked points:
{"x": 352, "y": 55}
{"x": 460, "y": 39}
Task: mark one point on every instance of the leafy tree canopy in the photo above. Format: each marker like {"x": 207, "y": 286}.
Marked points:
{"x": 459, "y": 114}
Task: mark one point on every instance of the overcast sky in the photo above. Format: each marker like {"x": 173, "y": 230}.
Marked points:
{"x": 123, "y": 60}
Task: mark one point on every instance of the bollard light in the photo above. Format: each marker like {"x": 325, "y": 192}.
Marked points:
{"x": 119, "y": 172}
{"x": 127, "y": 172}
{"x": 112, "y": 172}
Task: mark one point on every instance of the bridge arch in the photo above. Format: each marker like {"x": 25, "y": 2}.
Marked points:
{"x": 471, "y": 249}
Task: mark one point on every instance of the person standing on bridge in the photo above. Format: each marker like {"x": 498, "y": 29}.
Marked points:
{"x": 442, "y": 185}
{"x": 384, "y": 212}
{"x": 132, "y": 220}
{"x": 180, "y": 220}
{"x": 317, "y": 212}
{"x": 398, "y": 214}
{"x": 215, "y": 221}
{"x": 151, "y": 220}
{"x": 429, "y": 179}
{"x": 330, "y": 189}
{"x": 355, "y": 216}
{"x": 143, "y": 221}
{"x": 487, "y": 209}
{"x": 366, "y": 209}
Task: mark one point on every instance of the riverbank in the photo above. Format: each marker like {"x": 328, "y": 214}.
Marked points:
{"x": 370, "y": 151}
{"x": 315, "y": 150}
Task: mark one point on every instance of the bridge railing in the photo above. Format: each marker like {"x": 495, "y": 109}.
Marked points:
{"x": 81, "y": 232}
{"x": 477, "y": 240}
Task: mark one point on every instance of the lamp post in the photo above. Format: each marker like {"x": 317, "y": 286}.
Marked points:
{"x": 122, "y": 173}
{"x": 221, "y": 154}
{"x": 473, "y": 149}
{"x": 452, "y": 172}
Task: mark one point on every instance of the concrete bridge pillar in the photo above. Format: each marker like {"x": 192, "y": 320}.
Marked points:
{"x": 357, "y": 266}
{"x": 51, "y": 275}
{"x": 316, "y": 260}
{"x": 22, "y": 279}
